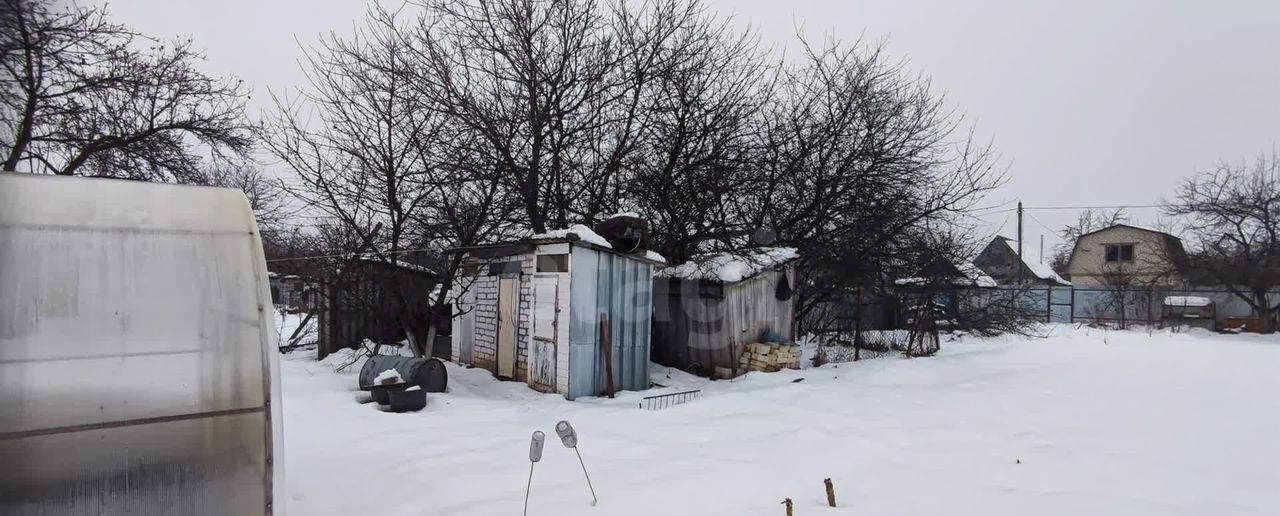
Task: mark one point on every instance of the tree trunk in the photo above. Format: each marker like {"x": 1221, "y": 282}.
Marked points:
{"x": 1266, "y": 324}
{"x": 857, "y": 326}
{"x": 411, "y": 337}
{"x": 430, "y": 347}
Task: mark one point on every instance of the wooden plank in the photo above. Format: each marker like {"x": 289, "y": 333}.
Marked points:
{"x": 606, "y": 345}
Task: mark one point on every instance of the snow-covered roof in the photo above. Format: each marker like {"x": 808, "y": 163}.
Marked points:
{"x": 651, "y": 255}
{"x": 1187, "y": 301}
{"x": 976, "y": 276}
{"x": 581, "y": 232}
{"x": 1035, "y": 264}
{"x": 372, "y": 258}
{"x": 730, "y": 267}
{"x": 631, "y": 214}
{"x": 972, "y": 276}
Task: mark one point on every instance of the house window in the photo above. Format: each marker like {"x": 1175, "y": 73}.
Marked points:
{"x": 553, "y": 263}
{"x": 1119, "y": 252}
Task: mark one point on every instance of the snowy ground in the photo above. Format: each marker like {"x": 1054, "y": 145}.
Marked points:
{"x": 1084, "y": 422}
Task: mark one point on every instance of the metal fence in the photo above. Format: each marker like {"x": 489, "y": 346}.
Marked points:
{"x": 1065, "y": 304}
{"x": 1132, "y": 304}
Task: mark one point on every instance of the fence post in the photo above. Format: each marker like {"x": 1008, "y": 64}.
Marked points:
{"x": 1048, "y": 304}
{"x": 1072, "y": 311}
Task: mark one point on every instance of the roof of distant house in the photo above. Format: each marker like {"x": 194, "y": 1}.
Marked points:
{"x": 1041, "y": 270}
{"x": 1130, "y": 226}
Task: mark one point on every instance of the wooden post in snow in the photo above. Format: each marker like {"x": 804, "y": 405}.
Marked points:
{"x": 606, "y": 345}
{"x": 831, "y": 492}
{"x": 790, "y": 510}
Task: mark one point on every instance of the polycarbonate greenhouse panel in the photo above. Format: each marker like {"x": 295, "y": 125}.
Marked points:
{"x": 137, "y": 358}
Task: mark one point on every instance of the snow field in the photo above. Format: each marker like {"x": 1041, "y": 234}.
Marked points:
{"x": 1102, "y": 423}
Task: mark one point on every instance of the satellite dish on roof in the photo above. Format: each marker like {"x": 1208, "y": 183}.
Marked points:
{"x": 764, "y": 236}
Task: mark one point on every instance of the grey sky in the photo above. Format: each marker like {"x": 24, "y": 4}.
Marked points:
{"x": 1089, "y": 102}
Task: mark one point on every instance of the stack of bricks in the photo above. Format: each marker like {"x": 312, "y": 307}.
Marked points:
{"x": 766, "y": 357}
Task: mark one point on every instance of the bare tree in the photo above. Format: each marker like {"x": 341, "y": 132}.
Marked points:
{"x": 1232, "y": 216}
{"x": 856, "y": 154}
{"x": 697, "y": 147}
{"x": 385, "y": 165}
{"x": 266, "y": 194}
{"x": 80, "y": 94}
{"x": 555, "y": 91}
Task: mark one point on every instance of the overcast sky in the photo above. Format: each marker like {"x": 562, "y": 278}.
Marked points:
{"x": 1089, "y": 102}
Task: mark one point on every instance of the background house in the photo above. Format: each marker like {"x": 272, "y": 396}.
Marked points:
{"x": 292, "y": 293}
{"x": 1000, "y": 260}
{"x": 531, "y": 310}
{"x": 708, "y": 309}
{"x": 1129, "y": 255}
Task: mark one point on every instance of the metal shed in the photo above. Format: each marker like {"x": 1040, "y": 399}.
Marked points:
{"x": 531, "y": 311}
{"x": 707, "y": 310}
{"x": 138, "y": 368}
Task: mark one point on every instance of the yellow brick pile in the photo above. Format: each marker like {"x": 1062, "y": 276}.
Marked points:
{"x": 766, "y": 357}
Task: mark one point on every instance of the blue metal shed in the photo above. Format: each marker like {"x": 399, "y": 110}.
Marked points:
{"x": 532, "y": 311}
{"x": 619, "y": 287}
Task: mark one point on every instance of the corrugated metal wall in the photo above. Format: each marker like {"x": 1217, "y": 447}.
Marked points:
{"x": 622, "y": 288}
{"x": 693, "y": 328}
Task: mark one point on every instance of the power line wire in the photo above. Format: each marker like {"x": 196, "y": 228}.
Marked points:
{"x": 346, "y": 255}
{"x": 1037, "y": 221}
{"x": 1111, "y": 207}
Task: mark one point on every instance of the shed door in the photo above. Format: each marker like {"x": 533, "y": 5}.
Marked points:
{"x": 508, "y": 314}
{"x": 546, "y": 315}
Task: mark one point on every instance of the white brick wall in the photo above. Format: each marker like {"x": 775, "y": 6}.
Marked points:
{"x": 486, "y": 316}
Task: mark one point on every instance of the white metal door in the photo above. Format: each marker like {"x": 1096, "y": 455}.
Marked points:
{"x": 542, "y": 352}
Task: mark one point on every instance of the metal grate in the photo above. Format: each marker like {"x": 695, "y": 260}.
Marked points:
{"x": 662, "y": 401}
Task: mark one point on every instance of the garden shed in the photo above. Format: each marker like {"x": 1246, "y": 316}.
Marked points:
{"x": 533, "y": 310}
{"x": 708, "y": 309}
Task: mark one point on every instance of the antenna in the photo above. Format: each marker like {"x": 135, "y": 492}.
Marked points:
{"x": 570, "y": 439}
{"x": 535, "y": 455}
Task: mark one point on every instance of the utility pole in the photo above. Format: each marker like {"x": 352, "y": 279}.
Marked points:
{"x": 1042, "y": 248}
{"x": 1020, "y": 265}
